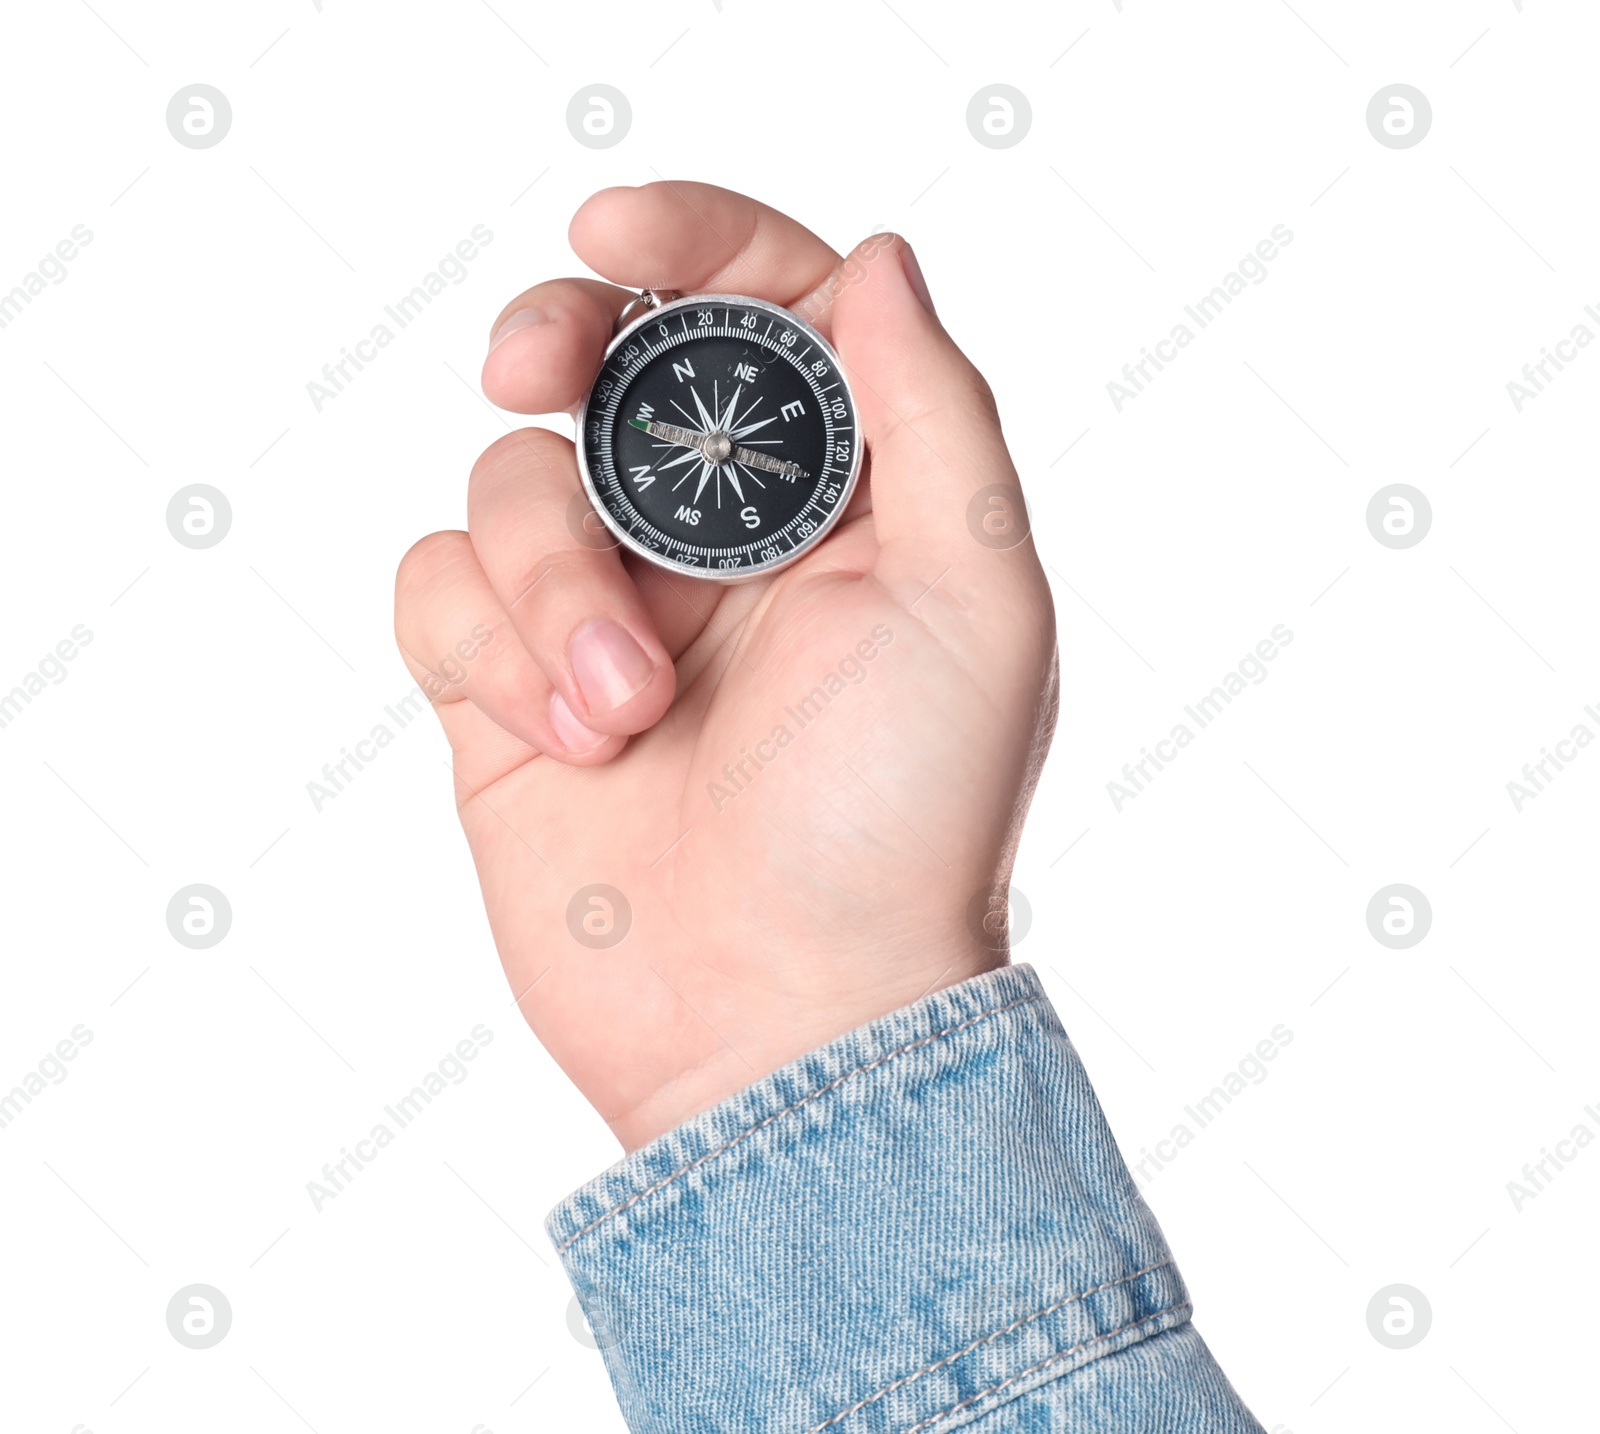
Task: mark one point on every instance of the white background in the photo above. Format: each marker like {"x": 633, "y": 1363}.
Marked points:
{"x": 1229, "y": 497}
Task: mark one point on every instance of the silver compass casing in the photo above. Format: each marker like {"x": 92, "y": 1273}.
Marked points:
{"x": 649, "y": 307}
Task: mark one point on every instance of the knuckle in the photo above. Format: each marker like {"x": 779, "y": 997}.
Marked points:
{"x": 511, "y": 455}
{"x": 427, "y": 561}
{"x": 975, "y": 388}
{"x": 527, "y": 475}
{"x": 960, "y": 393}
{"x": 531, "y": 581}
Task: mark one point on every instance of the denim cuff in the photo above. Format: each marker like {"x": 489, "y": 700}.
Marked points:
{"x": 896, "y": 1234}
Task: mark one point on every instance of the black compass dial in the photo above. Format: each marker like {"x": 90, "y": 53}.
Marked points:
{"x": 720, "y": 437}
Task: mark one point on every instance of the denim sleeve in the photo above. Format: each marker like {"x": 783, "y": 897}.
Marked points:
{"x": 922, "y": 1226}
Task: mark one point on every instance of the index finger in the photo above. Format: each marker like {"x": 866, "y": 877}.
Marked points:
{"x": 697, "y": 238}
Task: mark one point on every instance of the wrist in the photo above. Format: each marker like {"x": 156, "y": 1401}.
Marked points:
{"x": 775, "y": 1028}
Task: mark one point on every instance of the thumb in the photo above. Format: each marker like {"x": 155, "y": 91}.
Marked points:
{"x": 944, "y": 491}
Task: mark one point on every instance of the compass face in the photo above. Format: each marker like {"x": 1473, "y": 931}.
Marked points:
{"x": 720, "y": 438}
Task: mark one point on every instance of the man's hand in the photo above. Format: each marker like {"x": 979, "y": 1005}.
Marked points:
{"x": 809, "y": 787}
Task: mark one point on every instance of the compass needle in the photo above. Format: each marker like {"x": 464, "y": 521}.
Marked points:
{"x": 771, "y": 464}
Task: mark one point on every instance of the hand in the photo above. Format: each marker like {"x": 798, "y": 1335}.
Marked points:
{"x": 795, "y": 865}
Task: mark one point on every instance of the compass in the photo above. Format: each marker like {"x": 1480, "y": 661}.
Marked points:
{"x": 720, "y": 437}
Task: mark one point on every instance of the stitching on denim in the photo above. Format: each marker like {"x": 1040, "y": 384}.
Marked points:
{"x": 817, "y": 1094}
{"x": 1043, "y": 1364}
{"x": 987, "y": 1339}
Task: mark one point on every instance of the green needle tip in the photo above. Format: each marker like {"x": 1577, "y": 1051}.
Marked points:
{"x": 635, "y": 423}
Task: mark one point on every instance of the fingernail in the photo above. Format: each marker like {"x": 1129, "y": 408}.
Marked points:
{"x": 610, "y": 666}
{"x": 522, "y": 319}
{"x": 575, "y": 737}
{"x": 919, "y": 285}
